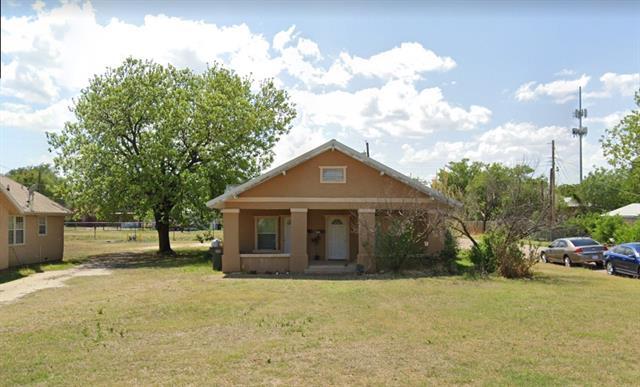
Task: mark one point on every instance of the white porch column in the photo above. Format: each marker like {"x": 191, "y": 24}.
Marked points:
{"x": 299, "y": 259}
{"x": 367, "y": 239}
{"x": 231, "y": 240}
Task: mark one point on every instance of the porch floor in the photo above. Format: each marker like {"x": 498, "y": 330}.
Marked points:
{"x": 331, "y": 267}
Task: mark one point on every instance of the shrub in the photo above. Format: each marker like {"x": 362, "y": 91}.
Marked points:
{"x": 449, "y": 253}
{"x": 498, "y": 253}
{"x": 606, "y": 227}
{"x": 628, "y": 233}
{"x": 483, "y": 258}
{"x": 397, "y": 246}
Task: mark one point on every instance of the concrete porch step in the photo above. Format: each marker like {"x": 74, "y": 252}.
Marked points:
{"x": 331, "y": 268}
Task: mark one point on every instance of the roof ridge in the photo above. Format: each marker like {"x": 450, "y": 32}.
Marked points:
{"x": 332, "y": 144}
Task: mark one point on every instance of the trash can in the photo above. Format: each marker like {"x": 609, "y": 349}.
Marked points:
{"x": 216, "y": 254}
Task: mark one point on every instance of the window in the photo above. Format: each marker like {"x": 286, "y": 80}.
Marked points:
{"x": 42, "y": 225}
{"x": 267, "y": 233}
{"x": 584, "y": 242}
{"x": 16, "y": 230}
{"x": 333, "y": 174}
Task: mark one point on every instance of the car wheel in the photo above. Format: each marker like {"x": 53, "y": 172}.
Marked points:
{"x": 567, "y": 261}
{"x": 610, "y": 269}
{"x": 543, "y": 258}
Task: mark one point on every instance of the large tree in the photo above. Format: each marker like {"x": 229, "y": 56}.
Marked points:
{"x": 621, "y": 147}
{"x": 159, "y": 140}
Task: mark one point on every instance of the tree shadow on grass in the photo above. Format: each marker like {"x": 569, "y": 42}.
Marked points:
{"x": 382, "y": 276}
{"x": 138, "y": 260}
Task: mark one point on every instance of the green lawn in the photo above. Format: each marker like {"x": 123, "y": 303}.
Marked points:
{"x": 174, "y": 321}
{"x": 83, "y": 243}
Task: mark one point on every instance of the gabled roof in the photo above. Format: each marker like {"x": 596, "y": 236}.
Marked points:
{"x": 332, "y": 145}
{"x": 628, "y": 211}
{"x": 18, "y": 195}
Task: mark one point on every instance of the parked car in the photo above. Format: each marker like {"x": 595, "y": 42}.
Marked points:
{"x": 574, "y": 251}
{"x": 623, "y": 259}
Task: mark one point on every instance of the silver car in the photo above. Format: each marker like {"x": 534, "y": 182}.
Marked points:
{"x": 573, "y": 251}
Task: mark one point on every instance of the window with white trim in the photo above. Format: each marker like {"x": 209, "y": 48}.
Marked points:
{"x": 42, "y": 225}
{"x": 333, "y": 174}
{"x": 266, "y": 233}
{"x": 16, "y": 230}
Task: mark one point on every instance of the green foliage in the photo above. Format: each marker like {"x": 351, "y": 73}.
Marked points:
{"x": 51, "y": 185}
{"x": 628, "y": 233}
{"x": 482, "y": 256}
{"x": 449, "y": 253}
{"x": 620, "y": 145}
{"x": 456, "y": 176}
{"x": 205, "y": 236}
{"x": 605, "y": 228}
{"x": 158, "y": 140}
{"x": 397, "y": 246}
{"x": 605, "y": 190}
{"x": 499, "y": 253}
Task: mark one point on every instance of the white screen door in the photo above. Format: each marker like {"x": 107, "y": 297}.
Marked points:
{"x": 337, "y": 237}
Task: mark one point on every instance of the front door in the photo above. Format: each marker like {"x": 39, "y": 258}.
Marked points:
{"x": 337, "y": 237}
{"x": 287, "y": 234}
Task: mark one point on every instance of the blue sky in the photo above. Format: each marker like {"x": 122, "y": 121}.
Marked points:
{"x": 424, "y": 83}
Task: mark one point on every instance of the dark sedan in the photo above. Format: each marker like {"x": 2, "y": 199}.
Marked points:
{"x": 624, "y": 259}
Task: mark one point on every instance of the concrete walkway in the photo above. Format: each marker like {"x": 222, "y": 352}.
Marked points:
{"x": 13, "y": 290}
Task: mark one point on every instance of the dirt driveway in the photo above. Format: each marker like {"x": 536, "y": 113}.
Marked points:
{"x": 13, "y": 290}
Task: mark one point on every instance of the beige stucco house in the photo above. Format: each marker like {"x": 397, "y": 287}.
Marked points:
{"x": 31, "y": 226}
{"x": 320, "y": 207}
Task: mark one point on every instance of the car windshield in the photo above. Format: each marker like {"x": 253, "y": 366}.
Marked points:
{"x": 584, "y": 242}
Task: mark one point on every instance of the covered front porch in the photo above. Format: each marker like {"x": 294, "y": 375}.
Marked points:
{"x": 298, "y": 239}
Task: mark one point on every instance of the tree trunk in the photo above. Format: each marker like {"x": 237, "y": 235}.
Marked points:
{"x": 163, "y": 238}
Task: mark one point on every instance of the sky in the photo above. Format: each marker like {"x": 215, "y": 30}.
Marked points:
{"x": 425, "y": 83}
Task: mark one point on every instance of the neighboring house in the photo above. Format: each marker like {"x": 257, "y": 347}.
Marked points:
{"x": 31, "y": 226}
{"x": 630, "y": 213}
{"x": 316, "y": 208}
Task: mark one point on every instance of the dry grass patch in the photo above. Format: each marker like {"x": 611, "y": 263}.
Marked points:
{"x": 173, "y": 321}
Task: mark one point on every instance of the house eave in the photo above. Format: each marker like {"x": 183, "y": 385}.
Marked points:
{"x": 333, "y": 145}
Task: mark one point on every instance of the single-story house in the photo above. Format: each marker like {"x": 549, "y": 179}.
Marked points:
{"x": 630, "y": 213}
{"x": 319, "y": 208}
{"x": 31, "y": 226}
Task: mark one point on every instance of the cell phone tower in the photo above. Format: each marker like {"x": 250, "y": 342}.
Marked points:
{"x": 580, "y": 131}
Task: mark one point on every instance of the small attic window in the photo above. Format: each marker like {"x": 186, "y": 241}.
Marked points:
{"x": 333, "y": 174}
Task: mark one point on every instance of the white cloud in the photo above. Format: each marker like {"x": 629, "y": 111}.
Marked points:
{"x": 612, "y": 83}
{"x": 565, "y": 90}
{"x": 50, "y": 55}
{"x": 512, "y": 143}
{"x": 408, "y": 61}
{"x": 397, "y": 109}
{"x": 301, "y": 139}
{"x": 560, "y": 91}
{"x": 38, "y": 5}
{"x": 608, "y": 121}
{"x": 50, "y": 119}
{"x": 27, "y": 82}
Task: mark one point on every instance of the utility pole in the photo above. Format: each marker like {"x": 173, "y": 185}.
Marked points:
{"x": 552, "y": 184}
{"x": 580, "y": 131}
